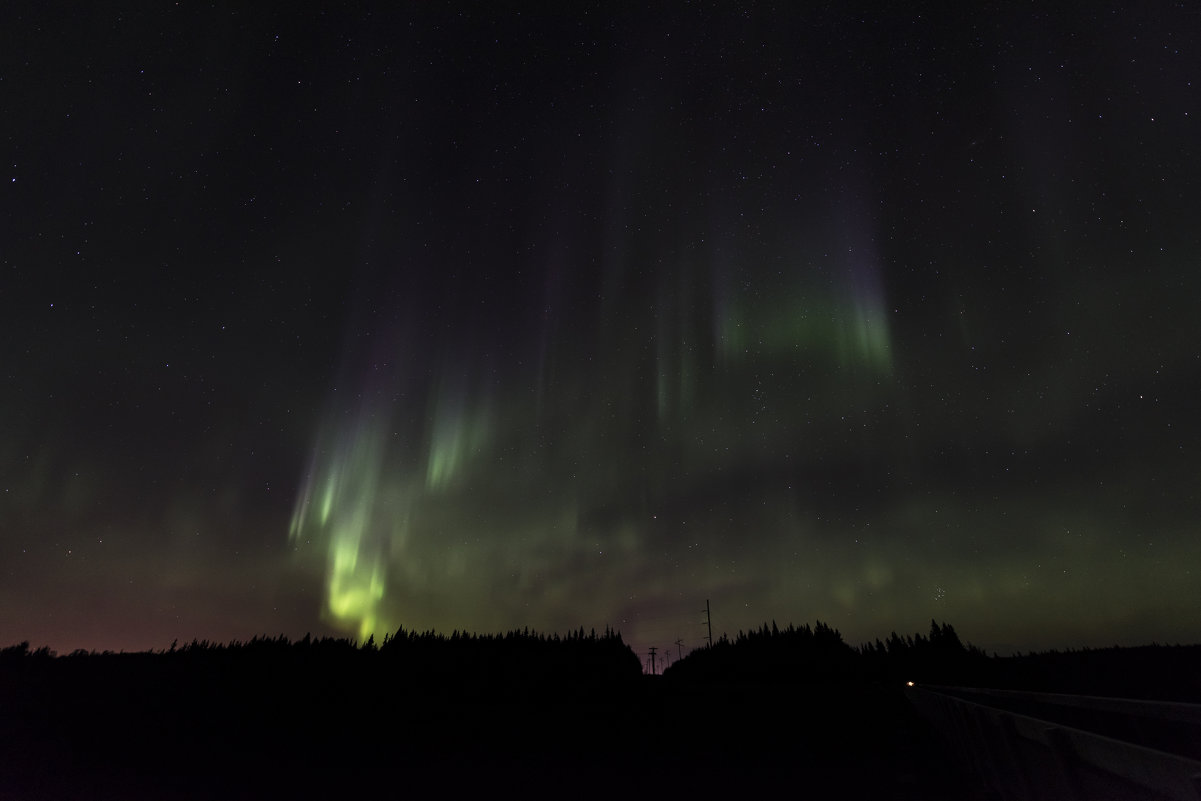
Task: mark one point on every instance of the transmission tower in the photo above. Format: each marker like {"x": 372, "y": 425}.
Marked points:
{"x": 708, "y": 622}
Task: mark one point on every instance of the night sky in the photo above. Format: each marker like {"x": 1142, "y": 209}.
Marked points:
{"x": 495, "y": 316}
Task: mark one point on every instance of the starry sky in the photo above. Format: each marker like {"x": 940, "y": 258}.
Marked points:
{"x": 486, "y": 316}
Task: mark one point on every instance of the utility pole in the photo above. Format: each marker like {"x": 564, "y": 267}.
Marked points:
{"x": 653, "y": 661}
{"x": 679, "y": 650}
{"x": 709, "y": 622}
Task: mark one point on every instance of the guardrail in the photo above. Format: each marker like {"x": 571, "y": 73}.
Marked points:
{"x": 1024, "y": 757}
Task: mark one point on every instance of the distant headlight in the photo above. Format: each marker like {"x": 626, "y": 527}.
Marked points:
{"x": 908, "y": 684}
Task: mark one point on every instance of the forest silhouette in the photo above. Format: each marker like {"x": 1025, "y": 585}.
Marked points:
{"x": 520, "y": 713}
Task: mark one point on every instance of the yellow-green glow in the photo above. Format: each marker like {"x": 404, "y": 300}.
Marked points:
{"x": 356, "y": 535}
{"x": 327, "y": 501}
{"x": 356, "y": 587}
{"x": 456, "y": 435}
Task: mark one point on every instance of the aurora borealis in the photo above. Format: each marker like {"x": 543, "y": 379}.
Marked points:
{"x": 503, "y": 316}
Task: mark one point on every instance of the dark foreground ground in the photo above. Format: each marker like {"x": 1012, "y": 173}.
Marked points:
{"x": 130, "y": 732}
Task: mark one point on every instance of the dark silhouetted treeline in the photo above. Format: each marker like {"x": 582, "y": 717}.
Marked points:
{"x": 771, "y": 654}
{"x": 939, "y": 657}
{"x": 515, "y": 657}
{"x": 416, "y": 715}
{"x": 793, "y": 654}
{"x": 819, "y": 653}
{"x": 468, "y": 661}
{"x": 1151, "y": 672}
{"x": 490, "y": 663}
{"x": 423, "y": 714}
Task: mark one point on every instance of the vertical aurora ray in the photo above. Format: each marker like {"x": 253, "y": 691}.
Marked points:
{"x": 851, "y": 331}
{"x": 339, "y": 507}
{"x": 827, "y": 305}
{"x": 865, "y": 335}
{"x": 382, "y": 504}
{"x": 456, "y": 433}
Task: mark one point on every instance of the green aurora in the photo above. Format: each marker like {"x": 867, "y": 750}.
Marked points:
{"x": 465, "y": 319}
